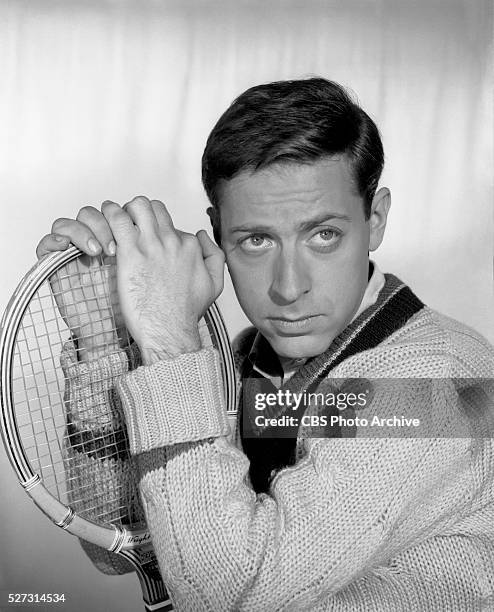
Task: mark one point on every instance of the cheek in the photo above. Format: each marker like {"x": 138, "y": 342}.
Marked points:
{"x": 339, "y": 282}
{"x": 249, "y": 283}
{"x": 352, "y": 282}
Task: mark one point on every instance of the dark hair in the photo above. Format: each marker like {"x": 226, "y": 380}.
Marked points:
{"x": 292, "y": 121}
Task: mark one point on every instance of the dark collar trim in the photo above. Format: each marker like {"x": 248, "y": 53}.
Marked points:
{"x": 395, "y": 305}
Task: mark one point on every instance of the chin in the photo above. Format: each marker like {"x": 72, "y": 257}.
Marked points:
{"x": 298, "y": 347}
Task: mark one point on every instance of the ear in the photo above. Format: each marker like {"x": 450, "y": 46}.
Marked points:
{"x": 214, "y": 216}
{"x": 378, "y": 217}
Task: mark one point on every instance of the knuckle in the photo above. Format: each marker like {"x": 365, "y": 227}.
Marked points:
{"x": 190, "y": 240}
{"x": 58, "y": 224}
{"x": 109, "y": 207}
{"x": 86, "y": 211}
{"x": 158, "y": 207}
{"x": 139, "y": 201}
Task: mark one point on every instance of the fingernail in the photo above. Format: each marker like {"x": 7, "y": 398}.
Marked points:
{"x": 93, "y": 245}
{"x": 112, "y": 248}
{"x": 59, "y": 238}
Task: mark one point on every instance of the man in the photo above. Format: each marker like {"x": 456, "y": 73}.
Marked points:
{"x": 291, "y": 521}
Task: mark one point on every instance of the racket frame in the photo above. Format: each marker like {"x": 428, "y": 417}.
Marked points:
{"x": 132, "y": 544}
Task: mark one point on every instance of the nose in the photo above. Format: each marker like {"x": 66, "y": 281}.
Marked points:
{"x": 291, "y": 278}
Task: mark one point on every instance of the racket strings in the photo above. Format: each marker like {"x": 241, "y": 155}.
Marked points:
{"x": 71, "y": 426}
{"x": 71, "y": 346}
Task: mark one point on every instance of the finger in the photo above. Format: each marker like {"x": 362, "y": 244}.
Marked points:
{"x": 142, "y": 214}
{"x": 186, "y": 236}
{"x": 79, "y": 234}
{"x": 165, "y": 221}
{"x": 51, "y": 243}
{"x": 96, "y": 222}
{"x": 121, "y": 225}
{"x": 214, "y": 259}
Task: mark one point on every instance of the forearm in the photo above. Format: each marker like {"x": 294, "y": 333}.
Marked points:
{"x": 97, "y": 452}
{"x": 451, "y": 572}
{"x": 345, "y": 509}
{"x": 298, "y": 548}
{"x": 92, "y": 348}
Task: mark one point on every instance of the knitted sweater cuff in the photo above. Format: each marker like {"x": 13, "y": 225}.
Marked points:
{"x": 174, "y": 401}
{"x": 89, "y": 398}
{"x": 100, "y": 372}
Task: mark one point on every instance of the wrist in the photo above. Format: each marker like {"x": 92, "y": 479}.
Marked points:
{"x": 153, "y": 352}
{"x": 96, "y": 345}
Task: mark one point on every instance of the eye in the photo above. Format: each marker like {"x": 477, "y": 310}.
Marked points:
{"x": 255, "y": 243}
{"x": 325, "y": 238}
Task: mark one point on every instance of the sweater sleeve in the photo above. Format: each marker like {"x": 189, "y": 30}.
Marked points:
{"x": 346, "y": 508}
{"x": 97, "y": 451}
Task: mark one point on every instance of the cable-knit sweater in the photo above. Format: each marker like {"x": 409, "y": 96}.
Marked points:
{"x": 357, "y": 523}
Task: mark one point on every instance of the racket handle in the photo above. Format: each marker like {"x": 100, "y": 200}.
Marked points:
{"x": 154, "y": 592}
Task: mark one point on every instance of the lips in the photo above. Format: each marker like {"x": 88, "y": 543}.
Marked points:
{"x": 292, "y": 325}
{"x": 292, "y": 319}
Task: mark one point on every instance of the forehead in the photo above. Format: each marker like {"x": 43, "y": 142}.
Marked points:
{"x": 290, "y": 193}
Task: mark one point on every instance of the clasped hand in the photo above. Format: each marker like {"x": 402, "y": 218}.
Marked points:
{"x": 166, "y": 278}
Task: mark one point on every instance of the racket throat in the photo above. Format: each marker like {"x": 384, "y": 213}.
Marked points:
{"x": 154, "y": 593}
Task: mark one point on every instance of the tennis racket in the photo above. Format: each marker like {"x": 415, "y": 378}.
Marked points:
{"x": 61, "y": 424}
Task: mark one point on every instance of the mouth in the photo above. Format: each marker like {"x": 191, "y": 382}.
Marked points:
{"x": 286, "y": 324}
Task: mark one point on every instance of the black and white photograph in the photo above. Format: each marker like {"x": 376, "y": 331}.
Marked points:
{"x": 246, "y": 351}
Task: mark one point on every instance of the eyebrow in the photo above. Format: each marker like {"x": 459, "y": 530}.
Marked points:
{"x": 306, "y": 225}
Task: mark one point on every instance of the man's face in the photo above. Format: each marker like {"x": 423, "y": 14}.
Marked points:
{"x": 296, "y": 243}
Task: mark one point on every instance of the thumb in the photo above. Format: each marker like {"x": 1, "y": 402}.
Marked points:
{"x": 214, "y": 260}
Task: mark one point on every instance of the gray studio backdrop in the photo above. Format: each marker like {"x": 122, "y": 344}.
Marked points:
{"x": 111, "y": 99}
